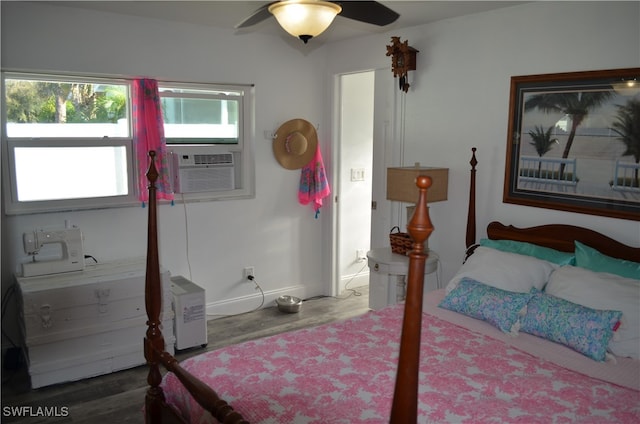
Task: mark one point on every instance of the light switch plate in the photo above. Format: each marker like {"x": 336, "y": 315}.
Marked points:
{"x": 357, "y": 174}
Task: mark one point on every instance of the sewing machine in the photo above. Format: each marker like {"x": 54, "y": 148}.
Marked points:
{"x": 70, "y": 255}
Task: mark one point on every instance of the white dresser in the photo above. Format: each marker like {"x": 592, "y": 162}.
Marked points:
{"x": 87, "y": 323}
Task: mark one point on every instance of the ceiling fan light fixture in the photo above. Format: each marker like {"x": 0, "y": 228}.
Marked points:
{"x": 305, "y": 19}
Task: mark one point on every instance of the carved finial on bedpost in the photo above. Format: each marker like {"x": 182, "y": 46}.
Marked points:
{"x": 153, "y": 341}
{"x": 152, "y": 172}
{"x": 405, "y": 399}
{"x": 420, "y": 226}
{"x": 471, "y": 214}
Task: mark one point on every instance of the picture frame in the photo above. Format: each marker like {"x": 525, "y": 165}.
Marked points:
{"x": 572, "y": 142}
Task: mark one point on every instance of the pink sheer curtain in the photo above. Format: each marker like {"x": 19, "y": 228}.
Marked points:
{"x": 148, "y": 130}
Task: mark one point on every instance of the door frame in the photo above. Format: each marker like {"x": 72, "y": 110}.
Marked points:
{"x": 388, "y": 110}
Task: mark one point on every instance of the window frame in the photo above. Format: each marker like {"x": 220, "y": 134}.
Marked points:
{"x": 243, "y": 150}
{"x": 12, "y": 206}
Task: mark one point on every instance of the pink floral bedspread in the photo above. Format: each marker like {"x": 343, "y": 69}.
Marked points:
{"x": 345, "y": 373}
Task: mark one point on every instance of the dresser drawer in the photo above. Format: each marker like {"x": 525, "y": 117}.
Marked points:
{"x": 47, "y": 321}
{"x": 97, "y": 284}
{"x": 383, "y": 261}
{"x": 78, "y": 350}
{"x": 89, "y": 357}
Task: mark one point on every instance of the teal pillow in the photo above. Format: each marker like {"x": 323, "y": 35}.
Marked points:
{"x": 589, "y": 258}
{"x": 500, "y": 308}
{"x": 583, "y": 329}
{"x": 530, "y": 249}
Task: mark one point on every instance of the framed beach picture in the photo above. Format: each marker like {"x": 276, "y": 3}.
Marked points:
{"x": 573, "y": 142}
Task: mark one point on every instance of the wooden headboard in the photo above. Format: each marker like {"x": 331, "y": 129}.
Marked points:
{"x": 561, "y": 237}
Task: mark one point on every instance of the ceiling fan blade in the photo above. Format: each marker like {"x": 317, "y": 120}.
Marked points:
{"x": 258, "y": 16}
{"x": 370, "y": 12}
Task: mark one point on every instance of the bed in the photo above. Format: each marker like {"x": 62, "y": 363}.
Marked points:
{"x": 538, "y": 325}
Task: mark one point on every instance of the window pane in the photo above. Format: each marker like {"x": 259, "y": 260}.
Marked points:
{"x": 55, "y": 173}
{"x": 200, "y": 116}
{"x": 45, "y": 109}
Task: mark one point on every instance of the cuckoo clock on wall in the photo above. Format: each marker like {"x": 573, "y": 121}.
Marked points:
{"x": 403, "y": 60}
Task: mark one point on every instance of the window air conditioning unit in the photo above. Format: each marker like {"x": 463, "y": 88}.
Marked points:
{"x": 198, "y": 171}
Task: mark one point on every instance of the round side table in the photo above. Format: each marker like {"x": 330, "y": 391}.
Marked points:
{"x": 388, "y": 275}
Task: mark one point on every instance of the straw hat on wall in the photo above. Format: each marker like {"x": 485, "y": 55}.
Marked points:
{"x": 295, "y": 143}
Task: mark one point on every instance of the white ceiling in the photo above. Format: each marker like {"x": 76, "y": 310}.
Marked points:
{"x": 227, "y": 14}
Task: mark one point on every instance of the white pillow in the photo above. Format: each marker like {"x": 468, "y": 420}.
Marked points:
{"x": 504, "y": 270}
{"x": 600, "y": 290}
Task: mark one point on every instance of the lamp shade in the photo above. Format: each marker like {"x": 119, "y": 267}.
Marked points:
{"x": 305, "y": 19}
{"x": 401, "y": 183}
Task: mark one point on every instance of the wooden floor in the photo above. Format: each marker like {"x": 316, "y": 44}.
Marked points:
{"x": 118, "y": 397}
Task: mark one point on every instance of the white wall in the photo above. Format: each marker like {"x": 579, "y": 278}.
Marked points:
{"x": 458, "y": 99}
{"x": 272, "y": 232}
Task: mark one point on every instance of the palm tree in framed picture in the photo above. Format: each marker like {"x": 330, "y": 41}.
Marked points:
{"x": 542, "y": 142}
{"x": 627, "y": 126}
{"x": 576, "y": 105}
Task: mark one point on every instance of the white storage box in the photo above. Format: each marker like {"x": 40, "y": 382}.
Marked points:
{"x": 190, "y": 313}
{"x": 87, "y": 323}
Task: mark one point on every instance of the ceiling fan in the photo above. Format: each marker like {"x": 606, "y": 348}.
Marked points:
{"x": 306, "y": 19}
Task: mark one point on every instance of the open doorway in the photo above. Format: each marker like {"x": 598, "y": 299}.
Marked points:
{"x": 355, "y": 178}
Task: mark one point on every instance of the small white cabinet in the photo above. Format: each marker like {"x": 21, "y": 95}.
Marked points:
{"x": 190, "y": 313}
{"x": 388, "y": 275}
{"x": 87, "y": 323}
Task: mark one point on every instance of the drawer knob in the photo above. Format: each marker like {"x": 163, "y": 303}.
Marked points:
{"x": 103, "y": 302}
{"x": 376, "y": 267}
{"x": 45, "y": 316}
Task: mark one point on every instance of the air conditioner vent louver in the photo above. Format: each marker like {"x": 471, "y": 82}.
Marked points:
{"x": 202, "y": 172}
{"x": 213, "y": 159}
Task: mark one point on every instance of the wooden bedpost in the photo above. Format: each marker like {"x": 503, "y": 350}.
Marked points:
{"x": 156, "y": 409}
{"x": 405, "y": 398}
{"x": 471, "y": 215}
{"x": 153, "y": 341}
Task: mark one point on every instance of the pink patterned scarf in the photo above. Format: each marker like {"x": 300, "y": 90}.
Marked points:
{"x": 148, "y": 129}
{"x": 313, "y": 183}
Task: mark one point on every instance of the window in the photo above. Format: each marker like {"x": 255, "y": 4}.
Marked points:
{"x": 68, "y": 142}
{"x": 201, "y": 114}
{"x": 107, "y": 165}
{"x": 205, "y": 127}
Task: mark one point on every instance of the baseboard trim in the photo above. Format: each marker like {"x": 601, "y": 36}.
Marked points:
{"x": 354, "y": 280}
{"x": 243, "y": 304}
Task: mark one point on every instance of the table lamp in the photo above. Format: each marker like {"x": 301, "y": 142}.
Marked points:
{"x": 401, "y": 185}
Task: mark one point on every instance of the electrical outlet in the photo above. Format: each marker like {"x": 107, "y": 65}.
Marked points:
{"x": 248, "y": 271}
